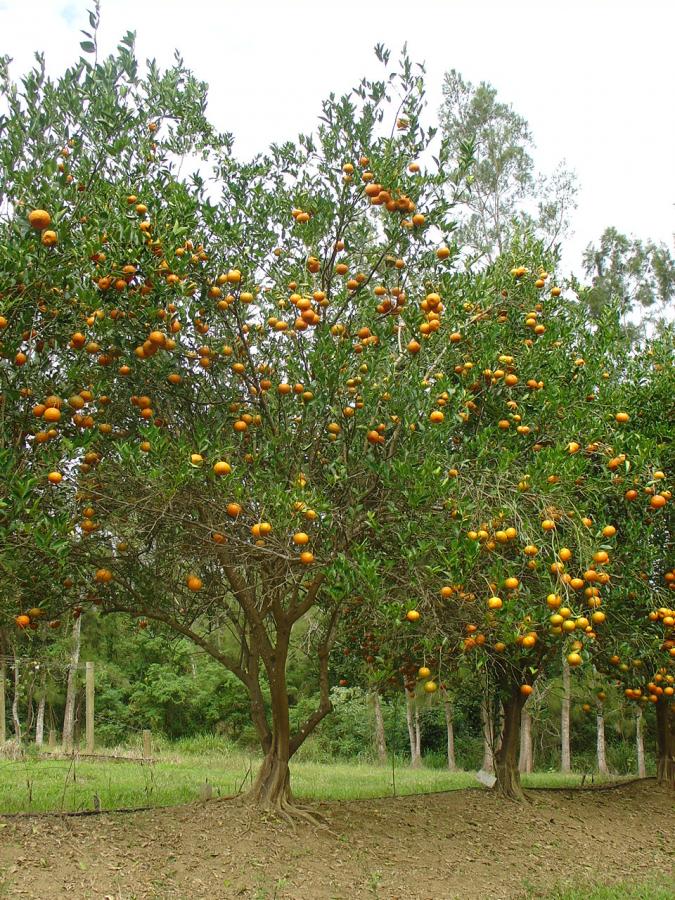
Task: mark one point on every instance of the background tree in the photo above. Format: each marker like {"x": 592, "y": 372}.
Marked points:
{"x": 636, "y": 275}
{"x": 506, "y": 192}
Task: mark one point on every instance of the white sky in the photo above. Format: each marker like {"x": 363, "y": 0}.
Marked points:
{"x": 595, "y": 79}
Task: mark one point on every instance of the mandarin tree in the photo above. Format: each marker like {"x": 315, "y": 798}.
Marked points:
{"x": 534, "y": 439}
{"x": 213, "y": 398}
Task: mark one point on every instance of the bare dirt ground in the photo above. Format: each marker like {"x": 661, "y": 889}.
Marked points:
{"x": 463, "y": 844}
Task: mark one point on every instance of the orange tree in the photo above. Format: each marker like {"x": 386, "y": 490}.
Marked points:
{"x": 639, "y": 645}
{"x": 530, "y": 554}
{"x": 213, "y": 401}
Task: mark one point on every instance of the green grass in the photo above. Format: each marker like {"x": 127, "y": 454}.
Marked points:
{"x": 663, "y": 889}
{"x": 178, "y": 773}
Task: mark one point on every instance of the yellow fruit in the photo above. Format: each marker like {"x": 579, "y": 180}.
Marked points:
{"x": 39, "y": 219}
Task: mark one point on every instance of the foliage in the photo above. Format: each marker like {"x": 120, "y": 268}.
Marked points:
{"x": 506, "y": 193}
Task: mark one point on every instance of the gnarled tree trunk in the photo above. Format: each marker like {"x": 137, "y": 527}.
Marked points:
{"x": 506, "y": 757}
{"x": 565, "y": 751}
{"x": 380, "y": 740}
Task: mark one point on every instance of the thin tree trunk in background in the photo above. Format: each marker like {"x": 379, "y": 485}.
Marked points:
{"x": 3, "y": 678}
{"x": 640, "y": 744}
{"x": 15, "y": 699}
{"x": 410, "y": 719}
{"x": 71, "y": 690}
{"x": 488, "y": 737}
{"x": 418, "y": 733}
{"x": 449, "y": 724}
{"x": 565, "y": 752}
{"x": 525, "y": 760}
{"x": 40, "y": 720}
{"x": 602, "y": 750}
{"x": 380, "y": 740}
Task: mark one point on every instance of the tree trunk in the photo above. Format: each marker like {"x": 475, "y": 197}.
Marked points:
{"x": 40, "y": 720}
{"x": 3, "y": 678}
{"x": 665, "y": 743}
{"x": 380, "y": 740}
{"x": 418, "y": 733}
{"x": 449, "y": 724}
{"x": 410, "y": 718}
{"x": 600, "y": 742}
{"x": 525, "y": 761}
{"x": 488, "y": 736}
{"x": 565, "y": 752}
{"x": 640, "y": 744}
{"x": 71, "y": 690}
{"x": 15, "y": 699}
{"x": 506, "y": 758}
{"x": 272, "y": 786}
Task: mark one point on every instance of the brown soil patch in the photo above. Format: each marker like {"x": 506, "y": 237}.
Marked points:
{"x": 463, "y": 844}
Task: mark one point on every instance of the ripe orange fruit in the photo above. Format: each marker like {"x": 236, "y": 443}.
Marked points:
{"x": 424, "y": 672}
{"x": 194, "y": 583}
{"x": 436, "y": 416}
{"x": 658, "y": 501}
{"x": 574, "y": 659}
{"x": 622, "y": 418}
{"x": 22, "y": 621}
{"x": 412, "y": 615}
{"x": 300, "y": 538}
{"x": 431, "y": 687}
{"x": 103, "y": 576}
{"x": 51, "y": 414}
{"x": 526, "y": 690}
{"x": 306, "y": 557}
{"x": 233, "y": 510}
{"x": 495, "y": 603}
{"x": 55, "y": 477}
{"x": 443, "y": 252}
{"x": 222, "y": 468}
{"x": 39, "y": 219}
{"x": 49, "y": 238}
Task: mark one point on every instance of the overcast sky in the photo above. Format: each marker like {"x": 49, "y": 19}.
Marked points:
{"x": 595, "y": 79}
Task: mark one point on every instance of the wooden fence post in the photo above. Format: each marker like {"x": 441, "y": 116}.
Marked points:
{"x": 3, "y": 735}
{"x": 147, "y": 744}
{"x": 89, "y": 702}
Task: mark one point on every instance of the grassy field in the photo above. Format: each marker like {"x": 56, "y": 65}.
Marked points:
{"x": 641, "y": 890}
{"x": 175, "y": 776}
